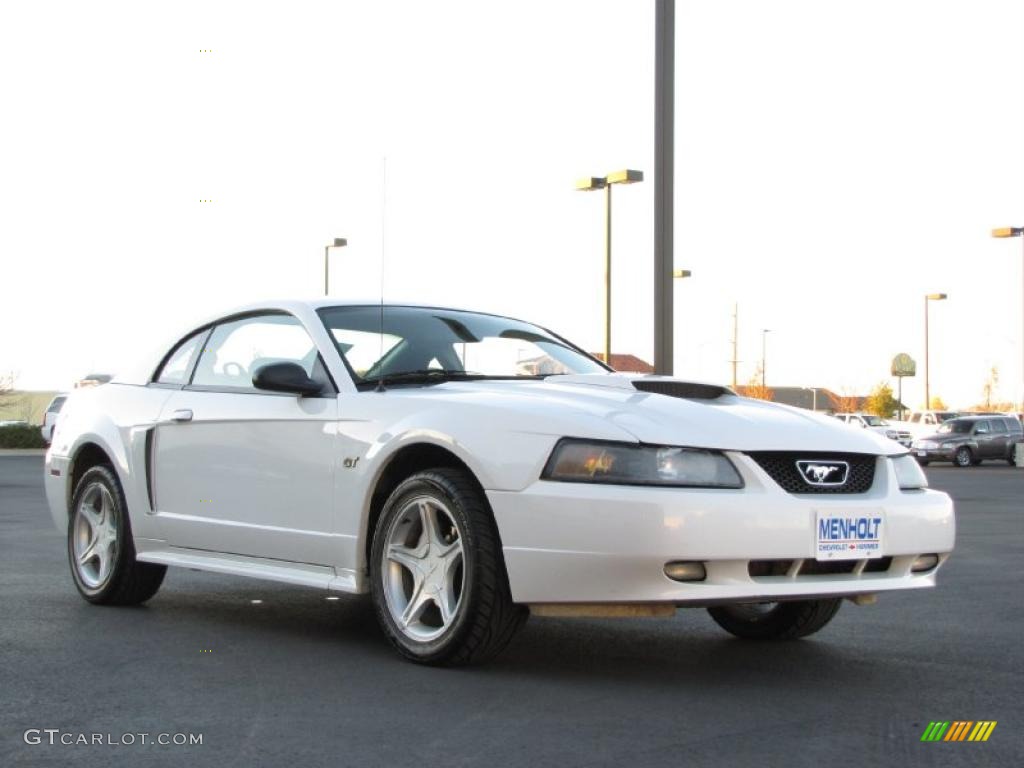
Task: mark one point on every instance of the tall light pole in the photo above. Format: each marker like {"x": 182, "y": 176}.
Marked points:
{"x": 664, "y": 180}
{"x": 591, "y": 184}
{"x": 339, "y": 242}
{"x": 927, "y": 390}
{"x": 764, "y": 355}
{"x": 1017, "y": 232}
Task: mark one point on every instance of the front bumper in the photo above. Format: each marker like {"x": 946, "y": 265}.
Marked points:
{"x": 936, "y": 453}
{"x": 579, "y": 543}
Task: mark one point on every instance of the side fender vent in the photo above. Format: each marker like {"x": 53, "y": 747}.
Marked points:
{"x": 683, "y": 389}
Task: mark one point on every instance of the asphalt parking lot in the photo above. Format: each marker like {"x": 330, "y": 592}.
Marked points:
{"x": 301, "y": 680}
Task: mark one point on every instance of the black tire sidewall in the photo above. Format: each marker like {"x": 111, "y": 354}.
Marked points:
{"x": 432, "y": 484}
{"x": 780, "y": 623}
{"x": 125, "y": 551}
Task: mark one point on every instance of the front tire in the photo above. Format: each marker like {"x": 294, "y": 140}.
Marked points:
{"x": 963, "y": 457}
{"x": 437, "y": 574}
{"x": 100, "y": 547}
{"x": 775, "y": 621}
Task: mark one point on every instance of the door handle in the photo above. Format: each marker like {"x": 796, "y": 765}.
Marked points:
{"x": 184, "y": 414}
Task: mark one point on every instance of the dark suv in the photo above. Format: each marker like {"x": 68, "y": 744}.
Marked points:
{"x": 968, "y": 440}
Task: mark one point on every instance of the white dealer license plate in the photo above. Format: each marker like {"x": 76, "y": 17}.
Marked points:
{"x": 848, "y": 535}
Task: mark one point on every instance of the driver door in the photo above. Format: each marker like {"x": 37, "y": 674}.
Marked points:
{"x": 244, "y": 471}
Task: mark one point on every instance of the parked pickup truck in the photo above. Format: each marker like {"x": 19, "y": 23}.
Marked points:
{"x": 894, "y": 431}
{"x": 922, "y": 423}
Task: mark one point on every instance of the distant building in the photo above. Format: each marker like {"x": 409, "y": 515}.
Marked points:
{"x": 825, "y": 401}
{"x": 546, "y": 365}
{"x": 626, "y": 363}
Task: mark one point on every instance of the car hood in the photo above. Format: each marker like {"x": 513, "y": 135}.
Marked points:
{"x": 946, "y": 437}
{"x": 724, "y": 422}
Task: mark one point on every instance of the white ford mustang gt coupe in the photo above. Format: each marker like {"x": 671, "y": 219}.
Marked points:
{"x": 466, "y": 470}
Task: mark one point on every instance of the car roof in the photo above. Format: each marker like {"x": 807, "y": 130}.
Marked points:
{"x": 143, "y": 367}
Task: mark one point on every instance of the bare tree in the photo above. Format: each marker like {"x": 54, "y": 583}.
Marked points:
{"x": 991, "y": 384}
{"x": 7, "y": 397}
{"x": 754, "y": 388}
{"x": 845, "y": 402}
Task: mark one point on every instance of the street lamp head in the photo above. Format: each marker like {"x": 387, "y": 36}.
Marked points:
{"x": 1008, "y": 232}
{"x": 936, "y": 297}
{"x": 682, "y": 273}
{"x": 591, "y": 184}
{"x": 625, "y": 177}
{"x": 339, "y": 242}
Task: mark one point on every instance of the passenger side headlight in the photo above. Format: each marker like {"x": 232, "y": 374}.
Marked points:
{"x": 586, "y": 461}
{"x": 909, "y": 473}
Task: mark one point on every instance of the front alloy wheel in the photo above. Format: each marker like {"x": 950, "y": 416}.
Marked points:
{"x": 423, "y": 576}
{"x": 963, "y": 457}
{"x": 437, "y": 574}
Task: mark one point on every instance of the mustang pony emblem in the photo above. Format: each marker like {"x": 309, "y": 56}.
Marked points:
{"x": 823, "y": 472}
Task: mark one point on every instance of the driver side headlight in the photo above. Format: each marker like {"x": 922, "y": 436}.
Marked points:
{"x": 587, "y": 461}
{"x": 909, "y": 473}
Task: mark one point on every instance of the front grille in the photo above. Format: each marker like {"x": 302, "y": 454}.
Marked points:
{"x": 781, "y": 467}
{"x": 761, "y": 568}
{"x": 683, "y": 389}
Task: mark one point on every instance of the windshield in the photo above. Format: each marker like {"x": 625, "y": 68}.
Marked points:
{"x": 945, "y": 416}
{"x": 428, "y": 343}
{"x": 955, "y": 427}
{"x": 874, "y": 421}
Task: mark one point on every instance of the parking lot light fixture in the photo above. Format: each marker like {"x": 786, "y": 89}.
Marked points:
{"x": 927, "y": 390}
{"x": 1017, "y": 232}
{"x": 339, "y": 242}
{"x": 681, "y": 273}
{"x": 592, "y": 184}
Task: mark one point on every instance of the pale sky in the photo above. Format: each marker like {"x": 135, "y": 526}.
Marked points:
{"x": 835, "y": 162}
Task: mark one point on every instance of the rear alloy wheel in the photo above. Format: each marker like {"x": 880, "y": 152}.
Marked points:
{"x": 775, "y": 621}
{"x": 437, "y": 575}
{"x": 100, "y": 547}
{"x": 963, "y": 457}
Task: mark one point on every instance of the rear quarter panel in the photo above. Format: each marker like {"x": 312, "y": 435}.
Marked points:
{"x": 115, "y": 418}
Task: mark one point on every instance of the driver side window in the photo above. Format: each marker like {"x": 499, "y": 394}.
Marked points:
{"x": 237, "y": 349}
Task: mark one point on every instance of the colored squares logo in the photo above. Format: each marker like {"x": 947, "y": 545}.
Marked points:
{"x": 959, "y": 730}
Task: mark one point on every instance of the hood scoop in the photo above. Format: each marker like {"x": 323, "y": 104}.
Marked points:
{"x": 684, "y": 389}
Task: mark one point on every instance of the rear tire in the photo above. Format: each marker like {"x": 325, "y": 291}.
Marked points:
{"x": 963, "y": 457}
{"x": 101, "y": 551}
{"x": 775, "y": 621}
{"x": 437, "y": 574}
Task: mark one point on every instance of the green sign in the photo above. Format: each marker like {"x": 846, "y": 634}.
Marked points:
{"x": 903, "y": 365}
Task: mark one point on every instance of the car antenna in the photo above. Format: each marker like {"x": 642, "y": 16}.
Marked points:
{"x": 383, "y": 242}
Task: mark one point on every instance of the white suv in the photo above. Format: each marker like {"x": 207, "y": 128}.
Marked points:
{"x": 877, "y": 424}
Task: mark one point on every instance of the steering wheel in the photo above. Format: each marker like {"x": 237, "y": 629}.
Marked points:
{"x": 234, "y": 370}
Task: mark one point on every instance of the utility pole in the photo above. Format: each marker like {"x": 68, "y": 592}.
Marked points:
{"x": 735, "y": 335}
{"x": 664, "y": 179}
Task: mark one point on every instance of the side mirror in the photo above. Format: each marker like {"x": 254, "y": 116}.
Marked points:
{"x": 285, "y": 377}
